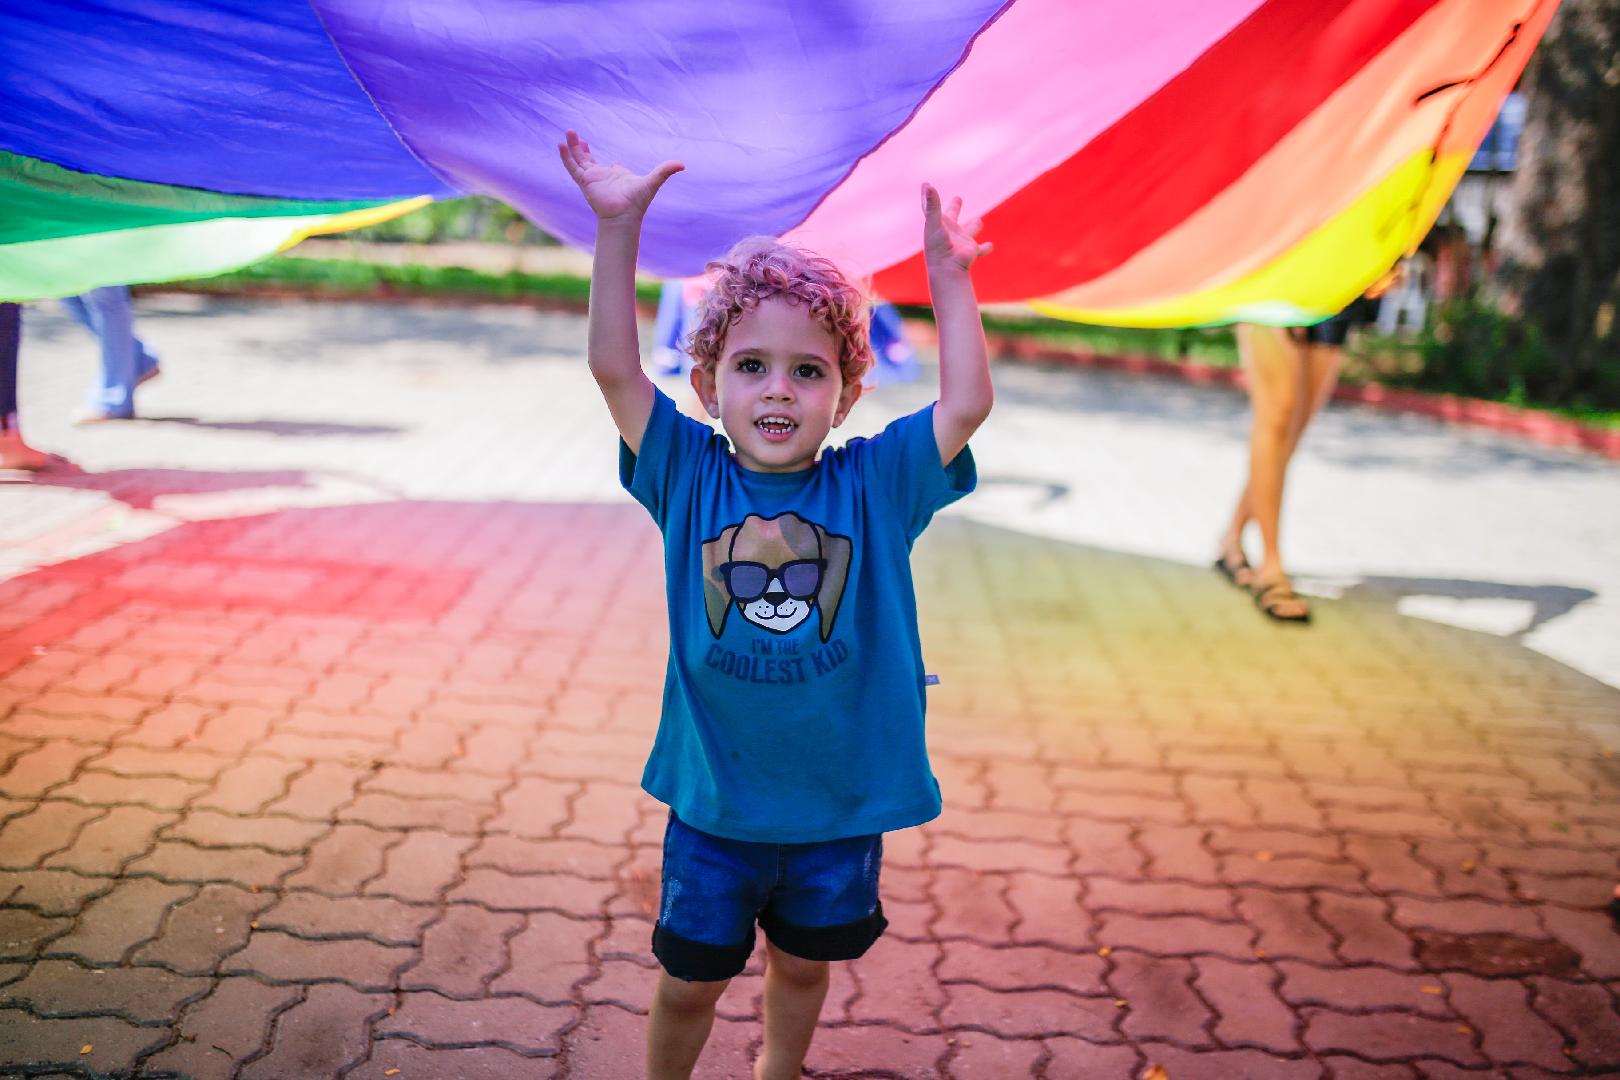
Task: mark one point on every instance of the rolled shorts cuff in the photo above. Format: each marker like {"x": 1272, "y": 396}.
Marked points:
{"x": 697, "y": 961}
{"x": 846, "y": 941}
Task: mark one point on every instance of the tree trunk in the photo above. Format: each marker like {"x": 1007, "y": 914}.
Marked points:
{"x": 1559, "y": 245}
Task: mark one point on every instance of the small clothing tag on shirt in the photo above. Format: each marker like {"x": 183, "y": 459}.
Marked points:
{"x": 930, "y": 680}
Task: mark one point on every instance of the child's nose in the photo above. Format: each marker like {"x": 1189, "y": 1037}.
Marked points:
{"x": 779, "y": 387}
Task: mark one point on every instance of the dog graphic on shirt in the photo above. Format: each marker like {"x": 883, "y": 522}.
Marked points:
{"x": 776, "y": 572}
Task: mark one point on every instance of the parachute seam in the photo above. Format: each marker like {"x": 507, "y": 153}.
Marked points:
{"x": 898, "y": 128}
{"x": 386, "y": 119}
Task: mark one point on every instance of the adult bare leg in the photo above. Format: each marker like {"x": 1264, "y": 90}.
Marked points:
{"x": 794, "y": 991}
{"x": 1322, "y": 365}
{"x": 1275, "y": 372}
{"x": 682, "y": 1014}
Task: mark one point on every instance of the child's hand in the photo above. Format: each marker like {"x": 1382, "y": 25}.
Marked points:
{"x": 612, "y": 190}
{"x": 947, "y": 242}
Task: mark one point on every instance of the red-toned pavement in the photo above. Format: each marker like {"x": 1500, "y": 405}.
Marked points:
{"x": 349, "y": 790}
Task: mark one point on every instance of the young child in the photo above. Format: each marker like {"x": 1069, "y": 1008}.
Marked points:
{"x": 792, "y": 727}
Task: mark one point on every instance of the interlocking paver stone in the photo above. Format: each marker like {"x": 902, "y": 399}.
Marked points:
{"x": 1223, "y": 1064}
{"x": 1024, "y": 968}
{"x": 27, "y": 839}
{"x": 976, "y": 1055}
{"x": 1510, "y": 1032}
{"x": 182, "y": 861}
{"x": 114, "y": 1044}
{"x": 62, "y": 988}
{"x": 345, "y": 858}
{"x": 1248, "y": 1011}
{"x": 396, "y": 1058}
{"x": 223, "y": 1029}
{"x": 23, "y": 932}
{"x": 462, "y": 951}
{"x": 202, "y": 930}
{"x": 1586, "y": 1014}
{"x": 1284, "y": 925}
{"x": 1390, "y": 1036}
{"x": 1026, "y": 1013}
{"x": 313, "y": 744}
{"x": 378, "y": 918}
{"x": 1363, "y": 988}
{"x": 117, "y": 921}
{"x": 513, "y": 1022}
{"x": 1157, "y": 999}
{"x": 50, "y": 892}
{"x": 321, "y": 1035}
{"x": 107, "y": 843}
{"x": 365, "y": 965}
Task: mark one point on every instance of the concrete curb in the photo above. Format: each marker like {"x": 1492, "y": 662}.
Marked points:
{"x": 1529, "y": 424}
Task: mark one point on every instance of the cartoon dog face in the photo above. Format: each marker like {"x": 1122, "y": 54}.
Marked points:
{"x": 775, "y": 571}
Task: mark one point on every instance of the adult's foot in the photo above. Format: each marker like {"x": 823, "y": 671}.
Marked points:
{"x": 16, "y": 454}
{"x": 1234, "y": 565}
{"x": 1275, "y": 596}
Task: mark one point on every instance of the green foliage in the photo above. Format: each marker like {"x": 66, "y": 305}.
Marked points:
{"x": 1473, "y": 348}
{"x": 1207, "y": 345}
{"x": 473, "y": 218}
{"x": 343, "y": 276}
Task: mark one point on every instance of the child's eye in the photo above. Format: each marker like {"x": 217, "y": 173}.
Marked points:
{"x": 748, "y": 363}
{"x": 808, "y": 371}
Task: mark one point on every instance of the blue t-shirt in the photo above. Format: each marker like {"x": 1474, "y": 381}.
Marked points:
{"x": 793, "y": 705}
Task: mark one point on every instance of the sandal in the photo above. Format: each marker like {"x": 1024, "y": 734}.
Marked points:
{"x": 1238, "y": 573}
{"x": 1277, "y": 598}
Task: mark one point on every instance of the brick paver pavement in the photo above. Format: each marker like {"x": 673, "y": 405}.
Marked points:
{"x": 324, "y": 703}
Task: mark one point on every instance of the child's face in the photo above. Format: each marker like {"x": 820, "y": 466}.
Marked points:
{"x": 777, "y": 388}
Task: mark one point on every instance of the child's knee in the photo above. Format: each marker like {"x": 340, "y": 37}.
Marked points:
{"x": 796, "y": 970}
{"x": 682, "y": 996}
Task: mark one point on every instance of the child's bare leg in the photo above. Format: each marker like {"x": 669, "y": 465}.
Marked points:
{"x": 794, "y": 991}
{"x": 682, "y": 1014}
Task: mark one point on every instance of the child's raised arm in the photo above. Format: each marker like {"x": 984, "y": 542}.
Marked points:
{"x": 620, "y": 199}
{"x": 965, "y": 392}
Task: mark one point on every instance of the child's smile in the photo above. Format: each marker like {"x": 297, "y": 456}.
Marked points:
{"x": 777, "y": 388}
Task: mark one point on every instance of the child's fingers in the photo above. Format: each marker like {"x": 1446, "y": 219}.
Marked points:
{"x": 664, "y": 172}
{"x": 570, "y": 162}
{"x": 972, "y": 228}
{"x": 930, "y": 201}
{"x": 985, "y": 249}
{"x": 956, "y": 207}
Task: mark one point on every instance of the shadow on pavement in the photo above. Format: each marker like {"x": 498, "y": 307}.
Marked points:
{"x": 1347, "y": 436}
{"x": 1545, "y": 602}
{"x": 138, "y": 488}
{"x": 287, "y": 428}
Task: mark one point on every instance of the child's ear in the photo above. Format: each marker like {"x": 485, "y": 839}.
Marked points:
{"x": 847, "y": 397}
{"x": 703, "y": 385}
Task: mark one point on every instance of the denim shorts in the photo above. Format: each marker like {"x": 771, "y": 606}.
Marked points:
{"x": 816, "y": 901}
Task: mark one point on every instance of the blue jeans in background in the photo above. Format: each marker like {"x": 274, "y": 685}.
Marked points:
{"x": 125, "y": 360}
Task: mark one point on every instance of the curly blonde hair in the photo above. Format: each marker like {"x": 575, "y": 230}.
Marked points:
{"x": 761, "y": 267}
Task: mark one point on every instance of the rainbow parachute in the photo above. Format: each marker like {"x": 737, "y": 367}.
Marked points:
{"x": 1159, "y": 162}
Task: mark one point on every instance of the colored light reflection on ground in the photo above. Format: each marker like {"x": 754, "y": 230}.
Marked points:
{"x": 269, "y": 795}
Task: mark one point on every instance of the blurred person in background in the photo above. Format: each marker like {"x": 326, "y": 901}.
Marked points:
{"x": 14, "y": 453}
{"x": 1291, "y": 374}
{"x": 125, "y": 360}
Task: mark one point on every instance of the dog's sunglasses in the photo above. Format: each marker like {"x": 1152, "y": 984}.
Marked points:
{"x": 747, "y": 581}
